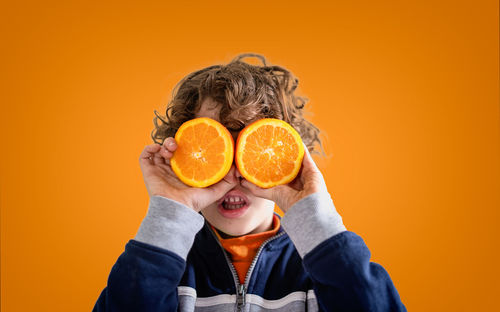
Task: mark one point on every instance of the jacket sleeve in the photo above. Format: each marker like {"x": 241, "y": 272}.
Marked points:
{"x": 146, "y": 275}
{"x": 337, "y": 260}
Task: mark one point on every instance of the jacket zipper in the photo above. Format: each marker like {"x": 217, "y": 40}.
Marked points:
{"x": 241, "y": 289}
{"x": 259, "y": 251}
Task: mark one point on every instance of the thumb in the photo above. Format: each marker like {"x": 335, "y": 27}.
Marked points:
{"x": 311, "y": 176}
{"x": 220, "y": 188}
{"x": 225, "y": 185}
{"x": 308, "y": 162}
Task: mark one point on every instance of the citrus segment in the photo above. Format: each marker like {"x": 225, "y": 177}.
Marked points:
{"x": 269, "y": 152}
{"x": 204, "y": 152}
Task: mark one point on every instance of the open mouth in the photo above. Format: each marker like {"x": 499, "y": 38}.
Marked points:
{"x": 233, "y": 205}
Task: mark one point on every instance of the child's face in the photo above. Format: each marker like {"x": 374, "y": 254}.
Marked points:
{"x": 253, "y": 214}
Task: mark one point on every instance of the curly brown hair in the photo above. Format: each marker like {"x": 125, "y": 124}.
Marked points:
{"x": 246, "y": 92}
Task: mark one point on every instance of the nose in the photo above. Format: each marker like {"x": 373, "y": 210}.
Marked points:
{"x": 237, "y": 172}
{"x": 233, "y": 176}
{"x": 234, "y": 172}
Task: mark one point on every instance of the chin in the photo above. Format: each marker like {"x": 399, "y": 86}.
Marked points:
{"x": 230, "y": 228}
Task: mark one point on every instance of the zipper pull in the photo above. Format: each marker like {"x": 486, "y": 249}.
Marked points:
{"x": 240, "y": 299}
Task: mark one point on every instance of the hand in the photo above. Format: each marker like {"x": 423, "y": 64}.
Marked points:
{"x": 161, "y": 180}
{"x": 308, "y": 181}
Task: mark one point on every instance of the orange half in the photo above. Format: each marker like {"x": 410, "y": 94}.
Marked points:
{"x": 269, "y": 152}
{"x": 204, "y": 154}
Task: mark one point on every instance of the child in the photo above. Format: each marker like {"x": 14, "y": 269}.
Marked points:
{"x": 222, "y": 248}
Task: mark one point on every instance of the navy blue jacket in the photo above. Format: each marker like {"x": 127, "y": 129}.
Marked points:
{"x": 336, "y": 275}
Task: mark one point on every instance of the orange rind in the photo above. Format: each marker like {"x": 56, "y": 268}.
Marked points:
{"x": 269, "y": 152}
{"x": 205, "y": 151}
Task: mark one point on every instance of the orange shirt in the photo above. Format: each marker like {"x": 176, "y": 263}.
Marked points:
{"x": 244, "y": 248}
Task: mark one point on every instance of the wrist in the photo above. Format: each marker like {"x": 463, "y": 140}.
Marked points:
{"x": 169, "y": 225}
{"x": 291, "y": 200}
{"x": 315, "y": 215}
{"x": 174, "y": 198}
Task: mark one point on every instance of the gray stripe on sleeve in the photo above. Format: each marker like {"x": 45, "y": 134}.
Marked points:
{"x": 312, "y": 220}
{"x": 169, "y": 225}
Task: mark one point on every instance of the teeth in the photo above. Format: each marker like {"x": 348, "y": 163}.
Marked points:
{"x": 230, "y": 207}
{"x": 233, "y": 202}
{"x": 233, "y": 199}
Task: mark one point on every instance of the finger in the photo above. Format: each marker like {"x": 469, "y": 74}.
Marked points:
{"x": 220, "y": 188}
{"x": 170, "y": 144}
{"x": 166, "y": 153}
{"x": 158, "y": 159}
{"x": 148, "y": 152}
{"x": 226, "y": 184}
{"x": 311, "y": 176}
{"x": 151, "y": 155}
{"x": 308, "y": 161}
{"x": 296, "y": 183}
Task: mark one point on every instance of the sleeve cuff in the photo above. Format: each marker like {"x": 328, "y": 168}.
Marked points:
{"x": 169, "y": 225}
{"x": 312, "y": 220}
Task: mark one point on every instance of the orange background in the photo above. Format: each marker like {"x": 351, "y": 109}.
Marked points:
{"x": 406, "y": 93}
